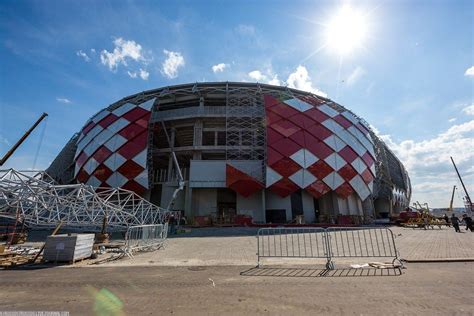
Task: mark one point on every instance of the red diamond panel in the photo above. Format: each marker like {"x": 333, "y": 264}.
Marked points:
{"x": 109, "y": 119}
{"x": 342, "y": 121}
{"x": 134, "y": 186}
{"x": 316, "y": 115}
{"x": 319, "y": 131}
{"x": 311, "y": 100}
{"x": 143, "y": 122}
{"x": 286, "y": 147}
{"x": 344, "y": 190}
{"x": 348, "y": 154}
{"x": 347, "y": 172}
{"x": 131, "y": 131}
{"x": 241, "y": 182}
{"x": 102, "y": 154}
{"x": 270, "y": 101}
{"x": 102, "y": 173}
{"x": 367, "y": 176}
{"x": 273, "y": 156}
{"x": 285, "y": 127}
{"x": 272, "y": 117}
{"x": 132, "y": 148}
{"x": 82, "y": 176}
{"x": 362, "y": 128}
{"x": 320, "y": 169}
{"x": 302, "y": 120}
{"x": 273, "y": 136}
{"x": 88, "y": 127}
{"x": 298, "y": 138}
{"x": 283, "y": 110}
{"x": 130, "y": 169}
{"x": 319, "y": 149}
{"x": 81, "y": 159}
{"x": 134, "y": 114}
{"x": 284, "y": 187}
{"x": 369, "y": 161}
{"x": 318, "y": 189}
{"x": 285, "y": 166}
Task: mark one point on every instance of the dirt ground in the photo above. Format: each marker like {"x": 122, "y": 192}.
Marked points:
{"x": 422, "y": 289}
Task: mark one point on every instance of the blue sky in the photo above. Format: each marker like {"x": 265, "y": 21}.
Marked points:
{"x": 411, "y": 78}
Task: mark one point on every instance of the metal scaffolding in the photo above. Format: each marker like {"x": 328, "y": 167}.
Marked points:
{"x": 36, "y": 199}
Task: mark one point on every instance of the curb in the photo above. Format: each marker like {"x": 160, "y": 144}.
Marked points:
{"x": 438, "y": 260}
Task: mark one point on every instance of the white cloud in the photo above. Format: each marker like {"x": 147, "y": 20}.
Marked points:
{"x": 355, "y": 75}
{"x": 275, "y": 81}
{"x": 124, "y": 50}
{"x": 469, "y": 110}
{"x": 63, "y": 100}
{"x": 429, "y": 165}
{"x": 4, "y": 141}
{"x": 144, "y": 74}
{"x": 219, "y": 67}
{"x": 245, "y": 30}
{"x": 301, "y": 80}
{"x": 257, "y": 75}
{"x": 451, "y": 120}
{"x": 174, "y": 60}
{"x": 80, "y": 53}
{"x": 469, "y": 72}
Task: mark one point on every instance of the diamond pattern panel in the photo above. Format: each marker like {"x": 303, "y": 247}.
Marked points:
{"x": 241, "y": 182}
{"x": 313, "y": 146}
{"x": 112, "y": 148}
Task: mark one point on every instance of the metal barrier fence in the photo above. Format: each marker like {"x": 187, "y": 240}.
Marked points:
{"x": 145, "y": 238}
{"x": 326, "y": 243}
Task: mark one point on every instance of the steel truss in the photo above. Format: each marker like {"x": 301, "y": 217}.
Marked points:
{"x": 36, "y": 199}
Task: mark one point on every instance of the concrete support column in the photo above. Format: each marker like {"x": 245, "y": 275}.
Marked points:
{"x": 188, "y": 207}
{"x": 170, "y": 157}
{"x": 197, "y": 139}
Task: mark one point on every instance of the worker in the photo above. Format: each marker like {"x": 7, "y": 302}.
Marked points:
{"x": 446, "y": 219}
{"x": 172, "y": 223}
{"x": 455, "y": 222}
{"x": 468, "y": 221}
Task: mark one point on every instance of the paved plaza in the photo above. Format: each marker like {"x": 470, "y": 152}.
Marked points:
{"x": 237, "y": 246}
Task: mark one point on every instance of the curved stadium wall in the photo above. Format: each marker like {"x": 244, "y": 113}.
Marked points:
{"x": 266, "y": 151}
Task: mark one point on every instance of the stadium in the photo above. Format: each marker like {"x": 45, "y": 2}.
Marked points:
{"x": 229, "y": 150}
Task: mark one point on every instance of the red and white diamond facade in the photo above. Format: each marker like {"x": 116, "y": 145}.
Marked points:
{"x": 112, "y": 148}
{"x": 314, "y": 147}
{"x": 241, "y": 146}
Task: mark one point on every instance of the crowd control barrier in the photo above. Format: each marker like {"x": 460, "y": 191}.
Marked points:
{"x": 145, "y": 238}
{"x": 329, "y": 243}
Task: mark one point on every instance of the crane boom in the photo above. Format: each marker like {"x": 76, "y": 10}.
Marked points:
{"x": 468, "y": 198}
{"x": 22, "y": 139}
{"x": 452, "y": 199}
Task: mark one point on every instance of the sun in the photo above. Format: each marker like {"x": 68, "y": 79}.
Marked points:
{"x": 346, "y": 31}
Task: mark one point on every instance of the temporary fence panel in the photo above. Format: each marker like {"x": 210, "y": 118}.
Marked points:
{"x": 291, "y": 243}
{"x": 334, "y": 242}
{"x": 145, "y": 237}
{"x": 361, "y": 242}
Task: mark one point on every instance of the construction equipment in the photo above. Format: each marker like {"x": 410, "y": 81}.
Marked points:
{"x": 22, "y": 139}
{"x": 422, "y": 218}
{"x": 467, "y": 199}
{"x": 450, "y": 209}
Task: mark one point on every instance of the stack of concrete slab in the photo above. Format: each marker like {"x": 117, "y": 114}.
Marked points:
{"x": 68, "y": 247}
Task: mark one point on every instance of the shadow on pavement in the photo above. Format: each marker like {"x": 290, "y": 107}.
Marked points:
{"x": 319, "y": 273}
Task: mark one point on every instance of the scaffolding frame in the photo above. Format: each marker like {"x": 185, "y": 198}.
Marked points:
{"x": 35, "y": 198}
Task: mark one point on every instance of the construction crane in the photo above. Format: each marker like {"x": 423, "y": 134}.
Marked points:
{"x": 450, "y": 209}
{"x": 22, "y": 139}
{"x": 467, "y": 198}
